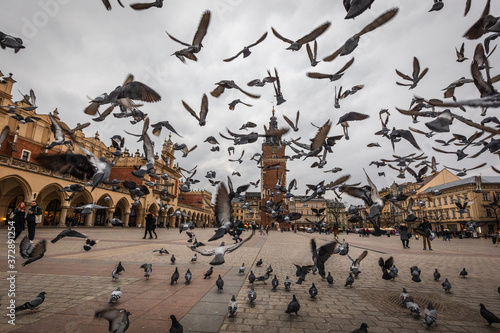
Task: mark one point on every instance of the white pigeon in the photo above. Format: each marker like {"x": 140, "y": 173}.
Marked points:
{"x": 115, "y": 295}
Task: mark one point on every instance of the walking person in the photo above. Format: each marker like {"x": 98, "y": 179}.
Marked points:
{"x": 403, "y": 234}
{"x": 34, "y": 214}
{"x": 426, "y": 227}
{"x": 148, "y": 226}
{"x": 19, "y": 219}
{"x": 153, "y": 226}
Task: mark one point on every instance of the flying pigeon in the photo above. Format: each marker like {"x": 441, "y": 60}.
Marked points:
{"x": 117, "y": 318}
{"x": 30, "y": 252}
{"x": 32, "y": 304}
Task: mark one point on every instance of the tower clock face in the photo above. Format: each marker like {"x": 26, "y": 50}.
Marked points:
{"x": 274, "y": 150}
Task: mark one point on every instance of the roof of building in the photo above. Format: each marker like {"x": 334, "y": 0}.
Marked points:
{"x": 465, "y": 181}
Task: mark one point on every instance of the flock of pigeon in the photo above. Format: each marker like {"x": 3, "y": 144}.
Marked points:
{"x": 129, "y": 96}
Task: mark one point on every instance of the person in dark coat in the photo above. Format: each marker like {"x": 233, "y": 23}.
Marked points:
{"x": 33, "y": 212}
{"x": 426, "y": 225}
{"x": 153, "y": 226}
{"x": 403, "y": 234}
{"x": 19, "y": 219}
{"x": 148, "y": 227}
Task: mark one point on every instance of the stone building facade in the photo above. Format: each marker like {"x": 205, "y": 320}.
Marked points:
{"x": 23, "y": 179}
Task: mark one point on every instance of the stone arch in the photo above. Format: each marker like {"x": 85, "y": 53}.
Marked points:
{"x": 153, "y": 208}
{"x": 13, "y": 190}
{"x": 103, "y": 215}
{"x": 51, "y": 200}
{"x": 170, "y": 219}
{"x": 136, "y": 215}
{"x": 121, "y": 209}
{"x": 80, "y": 199}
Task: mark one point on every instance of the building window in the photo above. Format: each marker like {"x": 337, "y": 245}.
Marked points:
{"x": 445, "y": 201}
{"x": 439, "y": 201}
{"x": 488, "y": 212}
{"x": 454, "y": 215}
{"x": 485, "y": 196}
{"x": 25, "y": 156}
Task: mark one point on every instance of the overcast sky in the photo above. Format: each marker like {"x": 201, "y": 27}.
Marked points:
{"x": 76, "y": 49}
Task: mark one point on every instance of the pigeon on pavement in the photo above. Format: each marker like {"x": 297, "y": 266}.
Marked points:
{"x": 33, "y": 304}
{"x": 117, "y": 318}
{"x": 489, "y": 316}
{"x": 293, "y": 306}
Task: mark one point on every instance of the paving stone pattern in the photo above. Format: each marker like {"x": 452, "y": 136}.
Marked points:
{"x": 77, "y": 283}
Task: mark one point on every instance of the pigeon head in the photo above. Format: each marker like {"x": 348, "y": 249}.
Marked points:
{"x": 364, "y": 325}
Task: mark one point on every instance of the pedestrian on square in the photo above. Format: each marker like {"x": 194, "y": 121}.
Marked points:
{"x": 425, "y": 225}
{"x": 148, "y": 226}
{"x": 19, "y": 218}
{"x": 31, "y": 218}
{"x": 498, "y": 238}
{"x": 153, "y": 226}
{"x": 254, "y": 227}
{"x": 403, "y": 234}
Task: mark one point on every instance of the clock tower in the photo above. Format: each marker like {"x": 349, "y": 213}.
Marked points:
{"x": 273, "y": 171}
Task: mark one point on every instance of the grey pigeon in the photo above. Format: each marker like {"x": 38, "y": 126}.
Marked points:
{"x": 146, "y": 5}
{"x": 463, "y": 273}
{"x": 30, "y": 252}
{"x": 313, "y": 291}
{"x": 148, "y": 268}
{"x": 430, "y": 315}
{"x": 356, "y": 7}
{"x": 188, "y": 276}
{"x": 174, "y": 277}
{"x": 329, "y": 279}
{"x": 115, "y": 295}
{"x": 246, "y": 50}
{"x": 194, "y": 258}
{"x": 68, "y": 233}
{"x": 263, "y": 278}
{"x": 233, "y": 306}
{"x": 361, "y": 329}
{"x": 12, "y": 42}
{"x": 293, "y": 306}
{"x": 446, "y": 285}
{"x": 117, "y": 318}
{"x": 287, "y": 283}
{"x": 413, "y": 307}
{"x": 252, "y": 294}
{"x": 172, "y": 259}
{"x": 161, "y": 251}
{"x": 269, "y": 269}
{"x": 176, "y": 326}
{"x": 437, "y": 276}
{"x": 208, "y": 273}
{"x": 219, "y": 283}
{"x": 438, "y": 5}
{"x": 33, "y": 304}
{"x": 275, "y": 282}
{"x": 259, "y": 263}
{"x": 404, "y": 296}
{"x": 251, "y": 277}
{"x": 355, "y": 263}
{"x": 322, "y": 254}
{"x": 295, "y": 46}
{"x": 349, "y": 281}
{"x": 415, "y": 273}
{"x": 489, "y": 316}
{"x": 242, "y": 269}
{"x": 196, "y": 45}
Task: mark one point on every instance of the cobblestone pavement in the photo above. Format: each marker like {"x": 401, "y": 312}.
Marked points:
{"x": 78, "y": 282}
